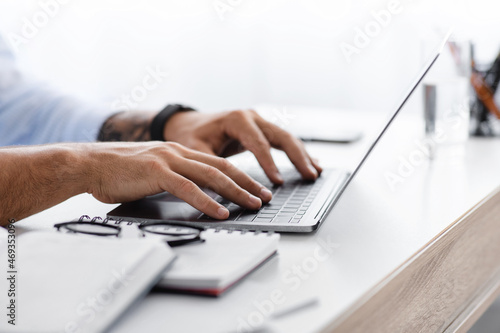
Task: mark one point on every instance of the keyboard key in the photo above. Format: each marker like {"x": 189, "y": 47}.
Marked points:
{"x": 263, "y": 220}
{"x": 262, "y": 214}
{"x": 282, "y": 220}
{"x": 285, "y": 214}
{"x": 233, "y": 215}
{"x": 273, "y": 205}
{"x": 295, "y": 220}
{"x": 247, "y": 215}
{"x": 291, "y": 206}
{"x": 270, "y": 210}
{"x": 246, "y": 218}
{"x": 302, "y": 192}
{"x": 224, "y": 202}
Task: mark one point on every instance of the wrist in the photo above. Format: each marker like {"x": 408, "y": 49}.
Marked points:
{"x": 57, "y": 169}
{"x": 176, "y": 125}
{"x": 94, "y": 160}
{"x": 161, "y": 120}
{"x": 73, "y": 167}
{"x": 127, "y": 126}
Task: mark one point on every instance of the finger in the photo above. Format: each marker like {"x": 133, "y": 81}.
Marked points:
{"x": 238, "y": 176}
{"x": 210, "y": 177}
{"x": 245, "y": 130}
{"x": 315, "y": 163}
{"x": 203, "y": 147}
{"x": 292, "y": 146}
{"x": 189, "y": 192}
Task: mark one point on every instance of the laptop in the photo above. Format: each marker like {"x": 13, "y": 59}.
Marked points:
{"x": 297, "y": 205}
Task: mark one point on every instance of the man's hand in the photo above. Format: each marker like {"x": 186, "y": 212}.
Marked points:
{"x": 228, "y": 133}
{"x": 38, "y": 177}
{"x": 128, "y": 171}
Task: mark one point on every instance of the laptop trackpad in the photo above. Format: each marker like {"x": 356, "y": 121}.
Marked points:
{"x": 162, "y": 206}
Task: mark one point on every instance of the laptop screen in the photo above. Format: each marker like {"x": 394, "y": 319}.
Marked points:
{"x": 432, "y": 58}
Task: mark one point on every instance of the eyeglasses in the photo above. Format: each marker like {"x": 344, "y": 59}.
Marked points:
{"x": 174, "y": 235}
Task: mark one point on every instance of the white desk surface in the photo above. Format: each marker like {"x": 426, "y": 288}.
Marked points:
{"x": 374, "y": 230}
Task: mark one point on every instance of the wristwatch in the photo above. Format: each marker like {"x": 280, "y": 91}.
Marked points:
{"x": 160, "y": 120}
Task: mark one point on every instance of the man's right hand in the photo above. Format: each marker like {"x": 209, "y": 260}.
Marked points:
{"x": 119, "y": 172}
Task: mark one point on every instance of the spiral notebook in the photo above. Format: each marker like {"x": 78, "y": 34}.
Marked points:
{"x": 224, "y": 259}
{"x": 215, "y": 265}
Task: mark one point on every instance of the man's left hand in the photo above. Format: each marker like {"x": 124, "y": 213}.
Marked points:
{"x": 228, "y": 133}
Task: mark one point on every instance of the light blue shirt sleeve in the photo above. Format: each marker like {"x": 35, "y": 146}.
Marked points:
{"x": 32, "y": 114}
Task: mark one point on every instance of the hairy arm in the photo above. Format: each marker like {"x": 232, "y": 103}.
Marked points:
{"x": 35, "y": 178}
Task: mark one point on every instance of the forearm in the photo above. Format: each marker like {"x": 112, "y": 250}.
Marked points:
{"x": 35, "y": 178}
{"x": 127, "y": 126}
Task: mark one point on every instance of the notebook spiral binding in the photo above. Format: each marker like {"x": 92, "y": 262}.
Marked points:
{"x": 87, "y": 218}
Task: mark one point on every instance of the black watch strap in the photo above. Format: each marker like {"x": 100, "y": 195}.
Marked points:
{"x": 159, "y": 122}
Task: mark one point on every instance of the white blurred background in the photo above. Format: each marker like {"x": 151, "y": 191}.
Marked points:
{"x": 223, "y": 54}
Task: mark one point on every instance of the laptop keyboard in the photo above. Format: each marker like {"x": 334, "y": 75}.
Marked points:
{"x": 289, "y": 204}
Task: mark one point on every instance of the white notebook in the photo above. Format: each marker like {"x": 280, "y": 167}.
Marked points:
{"x": 212, "y": 267}
{"x": 75, "y": 283}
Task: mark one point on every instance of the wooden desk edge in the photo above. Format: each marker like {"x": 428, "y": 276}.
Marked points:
{"x": 444, "y": 287}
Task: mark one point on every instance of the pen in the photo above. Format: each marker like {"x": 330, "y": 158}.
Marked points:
{"x": 295, "y": 307}
{"x": 484, "y": 93}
